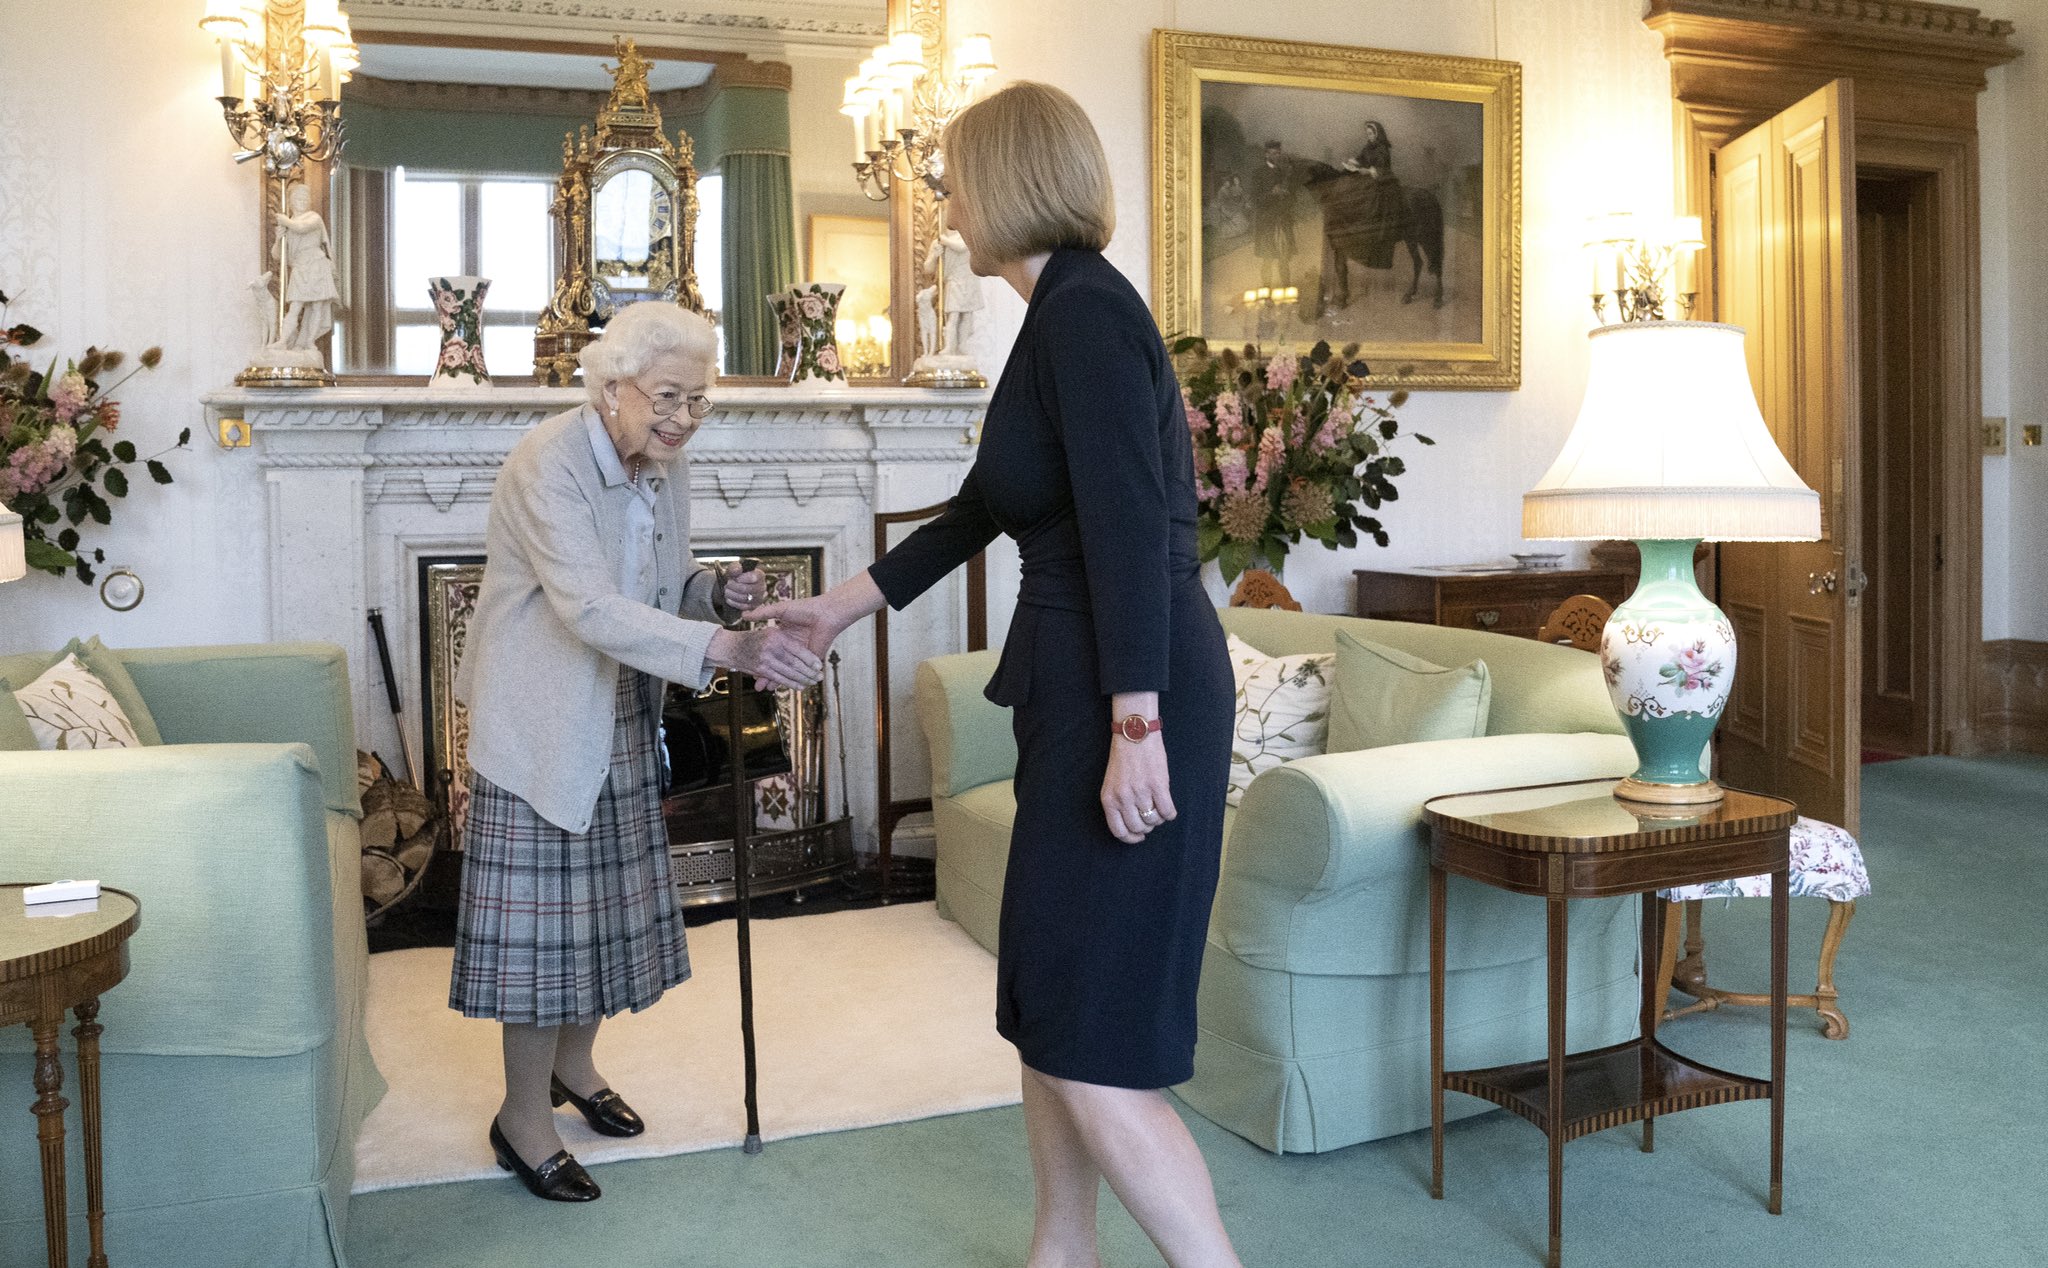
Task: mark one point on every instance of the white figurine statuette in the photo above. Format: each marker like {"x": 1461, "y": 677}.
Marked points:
{"x": 307, "y": 297}
{"x": 959, "y": 290}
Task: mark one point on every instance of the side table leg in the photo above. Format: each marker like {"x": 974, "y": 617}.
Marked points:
{"x": 1653, "y": 1007}
{"x": 49, "y": 1111}
{"x": 1781, "y": 921}
{"x": 1436, "y": 1031}
{"x": 1556, "y": 955}
{"x": 87, "y": 1033}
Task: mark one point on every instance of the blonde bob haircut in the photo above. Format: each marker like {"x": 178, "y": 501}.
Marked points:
{"x": 1026, "y": 164}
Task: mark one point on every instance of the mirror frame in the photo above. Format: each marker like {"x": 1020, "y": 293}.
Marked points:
{"x": 913, "y": 222}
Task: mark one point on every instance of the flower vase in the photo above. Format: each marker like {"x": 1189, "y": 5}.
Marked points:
{"x": 459, "y": 304}
{"x": 816, "y": 305}
{"x": 788, "y": 332}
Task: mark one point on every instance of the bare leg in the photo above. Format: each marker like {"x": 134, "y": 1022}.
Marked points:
{"x": 574, "y": 1061}
{"x": 1154, "y": 1168}
{"x": 1068, "y": 1182}
{"x": 527, "y": 1117}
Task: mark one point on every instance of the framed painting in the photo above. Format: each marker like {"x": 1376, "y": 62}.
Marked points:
{"x": 1307, "y": 192}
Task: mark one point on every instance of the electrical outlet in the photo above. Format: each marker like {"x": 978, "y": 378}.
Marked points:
{"x": 1994, "y": 438}
{"x": 234, "y": 433}
{"x": 2030, "y": 435}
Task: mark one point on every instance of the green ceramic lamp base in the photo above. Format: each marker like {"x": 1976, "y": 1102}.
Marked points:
{"x": 1669, "y": 657}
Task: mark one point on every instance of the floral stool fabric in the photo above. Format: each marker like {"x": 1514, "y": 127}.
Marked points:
{"x": 1826, "y": 863}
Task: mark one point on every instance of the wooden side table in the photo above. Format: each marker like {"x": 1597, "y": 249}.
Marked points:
{"x": 1574, "y": 840}
{"x": 49, "y": 964}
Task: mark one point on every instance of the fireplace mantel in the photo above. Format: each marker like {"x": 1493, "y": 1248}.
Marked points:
{"x": 364, "y": 482}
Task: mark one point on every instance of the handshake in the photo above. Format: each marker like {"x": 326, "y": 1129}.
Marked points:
{"x": 786, "y": 656}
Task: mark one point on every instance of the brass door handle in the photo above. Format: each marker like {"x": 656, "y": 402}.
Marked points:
{"x": 1487, "y": 619}
{"x": 1819, "y": 581}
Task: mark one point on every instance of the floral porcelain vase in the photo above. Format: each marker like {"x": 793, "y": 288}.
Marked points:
{"x": 806, "y": 318}
{"x": 1669, "y": 657}
{"x": 459, "y": 303}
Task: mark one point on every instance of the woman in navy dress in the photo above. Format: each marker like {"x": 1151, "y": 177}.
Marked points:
{"x": 1116, "y": 673}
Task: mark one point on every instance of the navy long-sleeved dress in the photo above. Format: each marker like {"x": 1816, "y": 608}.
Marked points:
{"x": 1086, "y": 461}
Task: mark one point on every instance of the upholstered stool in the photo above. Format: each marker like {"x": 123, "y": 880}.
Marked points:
{"x": 1826, "y": 863}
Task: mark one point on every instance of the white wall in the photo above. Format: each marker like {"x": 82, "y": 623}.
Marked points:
{"x": 2015, "y": 222}
{"x": 122, "y": 221}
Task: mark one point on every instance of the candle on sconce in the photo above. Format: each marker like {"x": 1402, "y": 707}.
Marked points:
{"x": 230, "y": 70}
{"x": 330, "y": 88}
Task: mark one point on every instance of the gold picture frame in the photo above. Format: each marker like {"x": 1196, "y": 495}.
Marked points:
{"x": 1259, "y": 147}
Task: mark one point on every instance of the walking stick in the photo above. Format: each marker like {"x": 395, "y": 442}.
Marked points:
{"x": 742, "y": 866}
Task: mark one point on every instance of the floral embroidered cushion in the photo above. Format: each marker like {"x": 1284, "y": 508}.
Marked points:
{"x": 1826, "y": 863}
{"x": 69, "y": 708}
{"x": 1385, "y": 696}
{"x": 1283, "y": 710}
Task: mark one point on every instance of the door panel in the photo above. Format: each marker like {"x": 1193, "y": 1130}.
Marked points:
{"x": 1785, "y": 240}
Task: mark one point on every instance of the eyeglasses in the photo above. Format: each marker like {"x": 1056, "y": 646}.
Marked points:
{"x": 666, "y": 402}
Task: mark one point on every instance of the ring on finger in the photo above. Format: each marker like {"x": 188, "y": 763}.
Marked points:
{"x": 1148, "y": 815}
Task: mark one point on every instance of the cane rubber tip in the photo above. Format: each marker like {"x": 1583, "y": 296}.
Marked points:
{"x": 752, "y": 1146}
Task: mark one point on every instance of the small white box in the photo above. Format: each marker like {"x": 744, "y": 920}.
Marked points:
{"x": 60, "y": 892}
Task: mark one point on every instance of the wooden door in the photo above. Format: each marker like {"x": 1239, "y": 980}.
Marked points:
{"x": 1785, "y": 252}
{"x": 1899, "y": 360}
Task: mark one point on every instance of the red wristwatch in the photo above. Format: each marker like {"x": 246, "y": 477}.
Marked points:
{"x": 1135, "y": 728}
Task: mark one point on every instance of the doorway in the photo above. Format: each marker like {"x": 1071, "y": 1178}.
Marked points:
{"x": 1901, "y": 393}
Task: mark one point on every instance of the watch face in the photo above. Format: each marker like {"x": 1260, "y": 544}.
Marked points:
{"x": 1134, "y": 729}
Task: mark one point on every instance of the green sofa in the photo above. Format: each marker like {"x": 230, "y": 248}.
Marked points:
{"x": 237, "y": 1072}
{"x": 1314, "y": 1030}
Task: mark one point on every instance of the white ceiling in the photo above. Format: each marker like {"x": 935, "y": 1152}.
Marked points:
{"x": 516, "y": 69}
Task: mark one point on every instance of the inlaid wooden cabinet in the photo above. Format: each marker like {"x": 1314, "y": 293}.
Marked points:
{"x": 1507, "y": 601}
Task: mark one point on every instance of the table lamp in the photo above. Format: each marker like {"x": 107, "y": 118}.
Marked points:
{"x": 13, "y": 560}
{"x": 1670, "y": 449}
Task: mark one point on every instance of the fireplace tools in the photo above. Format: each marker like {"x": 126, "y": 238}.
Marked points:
{"x": 412, "y": 765}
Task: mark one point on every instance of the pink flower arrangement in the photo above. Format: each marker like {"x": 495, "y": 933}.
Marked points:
{"x": 1285, "y": 447}
{"x": 56, "y": 470}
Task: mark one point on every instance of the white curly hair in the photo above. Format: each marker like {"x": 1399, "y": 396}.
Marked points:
{"x": 640, "y": 334}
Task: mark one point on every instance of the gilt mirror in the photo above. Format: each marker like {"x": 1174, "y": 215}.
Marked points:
{"x": 456, "y": 120}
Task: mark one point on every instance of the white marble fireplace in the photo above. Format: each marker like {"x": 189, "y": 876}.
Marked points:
{"x": 365, "y": 482}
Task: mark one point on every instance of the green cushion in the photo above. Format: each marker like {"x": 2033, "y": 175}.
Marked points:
{"x": 23, "y": 668}
{"x": 1385, "y": 696}
{"x": 106, "y": 665}
{"x": 15, "y": 737}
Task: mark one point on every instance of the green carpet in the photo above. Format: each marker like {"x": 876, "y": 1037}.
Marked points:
{"x": 1920, "y": 1140}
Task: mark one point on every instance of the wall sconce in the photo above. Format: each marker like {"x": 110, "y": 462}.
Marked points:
{"x": 281, "y": 71}
{"x": 1647, "y": 261}
{"x": 900, "y": 106}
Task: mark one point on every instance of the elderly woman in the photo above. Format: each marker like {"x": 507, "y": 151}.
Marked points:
{"x": 1116, "y": 670}
{"x": 590, "y": 602}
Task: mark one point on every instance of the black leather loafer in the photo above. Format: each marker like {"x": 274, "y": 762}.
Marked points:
{"x": 559, "y": 1179}
{"x": 606, "y": 1111}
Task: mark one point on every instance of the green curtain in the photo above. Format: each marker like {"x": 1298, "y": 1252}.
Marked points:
{"x": 759, "y": 253}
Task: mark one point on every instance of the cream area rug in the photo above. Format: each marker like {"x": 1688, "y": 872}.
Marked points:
{"x": 861, "y": 1018}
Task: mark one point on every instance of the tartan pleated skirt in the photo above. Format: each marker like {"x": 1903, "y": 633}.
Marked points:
{"x": 557, "y": 928}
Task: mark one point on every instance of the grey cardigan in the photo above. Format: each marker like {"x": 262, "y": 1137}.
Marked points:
{"x": 551, "y": 627}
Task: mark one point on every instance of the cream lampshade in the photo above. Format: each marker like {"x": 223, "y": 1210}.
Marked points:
{"x": 13, "y": 562}
{"x": 1669, "y": 449}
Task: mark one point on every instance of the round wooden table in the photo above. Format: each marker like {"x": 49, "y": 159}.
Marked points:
{"x": 1576, "y": 840}
{"x": 49, "y": 963}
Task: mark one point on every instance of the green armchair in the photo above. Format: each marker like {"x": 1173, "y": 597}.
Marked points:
{"x": 236, "y": 1072}
{"x": 1314, "y": 1004}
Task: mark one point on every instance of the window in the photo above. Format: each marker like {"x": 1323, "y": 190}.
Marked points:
{"x": 710, "y": 251}
{"x": 457, "y": 225}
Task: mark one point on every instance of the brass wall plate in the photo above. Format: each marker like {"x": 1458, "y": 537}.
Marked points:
{"x": 2030, "y": 435}
{"x": 1994, "y": 437}
{"x": 234, "y": 433}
